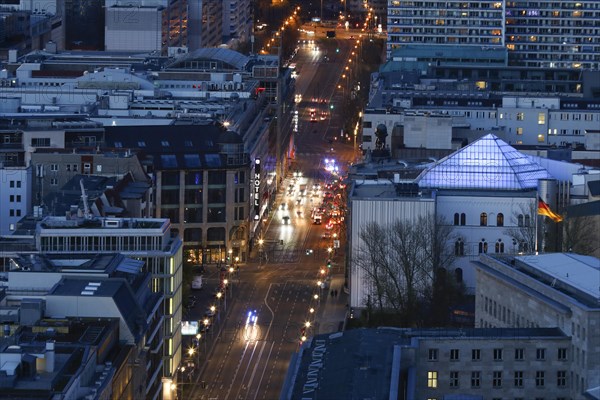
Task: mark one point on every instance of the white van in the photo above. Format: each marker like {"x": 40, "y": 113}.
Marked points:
{"x": 197, "y": 282}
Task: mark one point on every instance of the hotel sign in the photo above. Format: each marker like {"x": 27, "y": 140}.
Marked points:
{"x": 256, "y": 184}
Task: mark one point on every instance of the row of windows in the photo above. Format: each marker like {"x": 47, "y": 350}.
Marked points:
{"x": 461, "y": 219}
{"x": 14, "y": 198}
{"x": 14, "y": 184}
{"x": 518, "y": 379}
{"x": 498, "y": 354}
{"x": 504, "y": 314}
{"x": 459, "y": 247}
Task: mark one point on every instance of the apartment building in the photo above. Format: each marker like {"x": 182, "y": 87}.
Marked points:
{"x": 547, "y": 290}
{"x": 557, "y": 34}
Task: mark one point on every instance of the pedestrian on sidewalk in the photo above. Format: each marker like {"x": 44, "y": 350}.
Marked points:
{"x": 335, "y": 293}
{"x": 331, "y": 293}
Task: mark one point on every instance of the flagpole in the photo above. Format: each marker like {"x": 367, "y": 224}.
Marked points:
{"x": 537, "y": 218}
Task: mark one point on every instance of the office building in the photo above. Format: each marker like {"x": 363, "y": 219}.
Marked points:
{"x": 406, "y": 364}
{"x": 147, "y": 239}
{"x": 104, "y": 302}
{"x": 546, "y": 290}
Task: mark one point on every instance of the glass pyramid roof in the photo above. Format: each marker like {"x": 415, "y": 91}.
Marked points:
{"x": 488, "y": 163}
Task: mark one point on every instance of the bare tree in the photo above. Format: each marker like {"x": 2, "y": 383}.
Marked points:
{"x": 400, "y": 261}
{"x": 372, "y": 260}
{"x": 523, "y": 234}
{"x": 580, "y": 235}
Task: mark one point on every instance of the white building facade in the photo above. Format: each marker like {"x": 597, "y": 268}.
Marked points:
{"x": 485, "y": 192}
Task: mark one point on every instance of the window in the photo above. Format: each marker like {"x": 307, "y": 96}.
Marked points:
{"x": 11, "y": 213}
{"x": 432, "y": 377}
{"x": 500, "y": 219}
{"x": 463, "y": 219}
{"x": 520, "y": 116}
{"x": 527, "y": 221}
{"x": 483, "y": 219}
{"x": 497, "y": 354}
{"x": 539, "y": 378}
{"x": 540, "y": 354}
{"x": 499, "y": 246}
{"x": 458, "y": 275}
{"x": 454, "y": 354}
{"x": 562, "y": 354}
{"x": 476, "y": 354}
{"x": 53, "y": 181}
{"x": 459, "y": 248}
{"x": 561, "y": 379}
{"x": 240, "y": 177}
{"x": 497, "y": 379}
{"x": 518, "y": 379}
{"x": 541, "y": 118}
{"x": 541, "y": 138}
{"x": 54, "y": 167}
{"x": 519, "y": 131}
{"x": 87, "y": 167}
{"x": 519, "y": 354}
{"x": 11, "y": 198}
{"x": 454, "y": 379}
{"x": 483, "y": 246}
{"x": 433, "y": 354}
{"x": 475, "y": 379}
{"x": 40, "y": 142}
{"x": 456, "y": 218}
{"x": 239, "y": 214}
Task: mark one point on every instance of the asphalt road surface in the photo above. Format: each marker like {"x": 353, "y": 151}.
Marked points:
{"x": 241, "y": 361}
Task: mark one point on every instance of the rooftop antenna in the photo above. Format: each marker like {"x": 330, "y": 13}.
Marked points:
{"x": 86, "y": 208}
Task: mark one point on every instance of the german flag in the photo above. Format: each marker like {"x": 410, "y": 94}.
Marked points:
{"x": 544, "y": 209}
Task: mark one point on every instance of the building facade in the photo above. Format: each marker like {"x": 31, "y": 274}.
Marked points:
{"x": 546, "y": 290}
{"x": 147, "y": 239}
{"x": 560, "y": 34}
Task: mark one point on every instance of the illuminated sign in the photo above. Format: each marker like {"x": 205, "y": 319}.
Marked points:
{"x": 189, "y": 328}
{"x": 256, "y": 181}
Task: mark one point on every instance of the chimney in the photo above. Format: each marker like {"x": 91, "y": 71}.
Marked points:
{"x": 50, "y": 356}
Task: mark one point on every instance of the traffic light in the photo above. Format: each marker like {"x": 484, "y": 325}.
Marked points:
{"x": 328, "y": 263}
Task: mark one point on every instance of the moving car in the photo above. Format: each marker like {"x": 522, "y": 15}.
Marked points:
{"x": 252, "y": 318}
{"x": 197, "y": 282}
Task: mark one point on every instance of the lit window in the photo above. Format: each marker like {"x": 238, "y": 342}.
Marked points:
{"x": 520, "y": 116}
{"x": 432, "y": 379}
{"x": 541, "y": 138}
{"x": 541, "y": 119}
{"x": 500, "y": 219}
{"x": 519, "y": 131}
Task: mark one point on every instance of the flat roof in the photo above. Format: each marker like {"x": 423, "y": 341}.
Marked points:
{"x": 579, "y": 272}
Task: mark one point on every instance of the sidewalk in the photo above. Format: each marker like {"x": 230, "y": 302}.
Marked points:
{"x": 333, "y": 315}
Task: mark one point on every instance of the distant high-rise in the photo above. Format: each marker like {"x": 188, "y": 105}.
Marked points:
{"x": 556, "y": 34}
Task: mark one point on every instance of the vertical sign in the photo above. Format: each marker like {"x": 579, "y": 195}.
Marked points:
{"x": 256, "y": 183}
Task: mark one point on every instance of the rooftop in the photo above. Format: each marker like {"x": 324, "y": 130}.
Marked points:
{"x": 357, "y": 364}
{"x": 577, "y": 274}
{"x": 487, "y": 163}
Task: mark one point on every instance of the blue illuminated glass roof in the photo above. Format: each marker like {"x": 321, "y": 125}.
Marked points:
{"x": 488, "y": 163}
